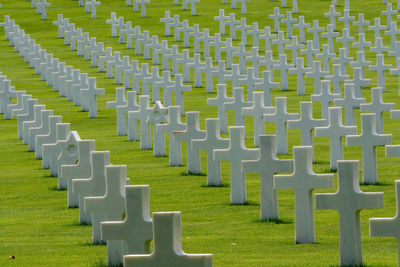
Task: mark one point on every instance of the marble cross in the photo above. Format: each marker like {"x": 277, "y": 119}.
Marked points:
{"x": 300, "y": 72}
{"x": 81, "y": 169}
{"x": 267, "y": 165}
{"x": 306, "y": 124}
{"x": 380, "y": 69}
{"x": 349, "y": 102}
{"x": 167, "y": 241}
{"x": 235, "y": 153}
{"x": 335, "y": 131}
{"x": 94, "y": 185}
{"x": 302, "y": 25}
{"x": 349, "y": 200}
{"x": 303, "y": 181}
{"x": 211, "y": 141}
{"x": 111, "y": 206}
{"x": 174, "y": 124}
{"x": 280, "y": 117}
{"x": 325, "y": 98}
{"x": 387, "y": 227}
{"x": 68, "y": 154}
{"x": 136, "y": 230}
{"x": 237, "y": 105}
{"x": 191, "y": 132}
{"x": 220, "y": 102}
{"x": 122, "y": 111}
{"x": 257, "y": 111}
{"x": 377, "y": 106}
{"x": 368, "y": 140}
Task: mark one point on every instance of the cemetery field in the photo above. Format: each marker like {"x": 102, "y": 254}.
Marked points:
{"x": 39, "y": 230}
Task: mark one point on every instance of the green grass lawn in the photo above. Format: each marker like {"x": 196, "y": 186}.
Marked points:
{"x": 39, "y": 230}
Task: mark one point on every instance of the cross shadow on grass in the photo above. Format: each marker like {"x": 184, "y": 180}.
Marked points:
{"x": 247, "y": 203}
{"x": 274, "y": 221}
{"x": 101, "y": 263}
{"x": 76, "y": 223}
{"x": 350, "y": 265}
{"x": 377, "y": 184}
{"x": 91, "y": 244}
{"x": 193, "y": 174}
{"x": 215, "y": 186}
{"x": 55, "y": 188}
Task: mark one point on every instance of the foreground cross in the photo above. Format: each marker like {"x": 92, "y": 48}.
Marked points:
{"x": 303, "y": 181}
{"x": 111, "y": 206}
{"x": 136, "y": 231}
{"x": 349, "y": 200}
{"x": 167, "y": 236}
{"x": 387, "y": 227}
{"x": 95, "y": 185}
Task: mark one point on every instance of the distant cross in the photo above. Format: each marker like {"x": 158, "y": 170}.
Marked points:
{"x": 361, "y": 23}
{"x": 306, "y": 124}
{"x": 315, "y": 30}
{"x": 325, "y": 98}
{"x": 257, "y": 111}
{"x": 349, "y": 103}
{"x": 267, "y": 85}
{"x": 332, "y": 14}
{"x": 377, "y": 106}
{"x": 122, "y": 111}
{"x": 237, "y": 105}
{"x": 280, "y": 117}
{"x": 302, "y": 26}
{"x": 380, "y": 69}
{"x": 335, "y": 131}
{"x": 167, "y": 20}
{"x": 277, "y": 19}
{"x": 300, "y": 71}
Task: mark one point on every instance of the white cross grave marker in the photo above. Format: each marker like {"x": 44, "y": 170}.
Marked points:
{"x": 94, "y": 185}
{"x": 335, "y": 130}
{"x": 387, "y": 227}
{"x": 211, "y": 141}
{"x": 267, "y": 165}
{"x": 377, "y": 106}
{"x": 369, "y": 140}
{"x": 167, "y": 240}
{"x": 136, "y": 231}
{"x": 257, "y": 111}
{"x": 111, "y": 206}
{"x": 349, "y": 200}
{"x": 349, "y": 102}
{"x": 303, "y": 181}
{"x": 235, "y": 153}
{"x": 191, "y": 132}
{"x": 280, "y": 117}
